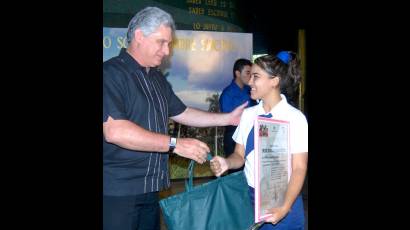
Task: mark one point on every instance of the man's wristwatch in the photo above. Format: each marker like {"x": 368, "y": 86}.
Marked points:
{"x": 172, "y": 144}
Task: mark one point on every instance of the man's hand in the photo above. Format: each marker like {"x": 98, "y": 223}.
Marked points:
{"x": 192, "y": 148}
{"x": 235, "y": 115}
{"x": 219, "y": 165}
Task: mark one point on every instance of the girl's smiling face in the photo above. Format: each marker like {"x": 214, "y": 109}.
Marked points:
{"x": 261, "y": 83}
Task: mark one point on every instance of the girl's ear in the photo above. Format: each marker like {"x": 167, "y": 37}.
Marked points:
{"x": 276, "y": 81}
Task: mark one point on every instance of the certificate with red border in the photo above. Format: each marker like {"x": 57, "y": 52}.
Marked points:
{"x": 272, "y": 164}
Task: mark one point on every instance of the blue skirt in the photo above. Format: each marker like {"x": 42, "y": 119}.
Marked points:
{"x": 294, "y": 220}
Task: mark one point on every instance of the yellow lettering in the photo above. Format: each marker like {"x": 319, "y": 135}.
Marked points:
{"x": 106, "y": 42}
{"x": 184, "y": 44}
{"x": 214, "y": 45}
{"x": 193, "y": 45}
{"x": 196, "y": 26}
{"x": 209, "y": 45}
{"x": 204, "y": 43}
{"x": 211, "y": 2}
{"x": 194, "y": 1}
{"x": 226, "y": 45}
{"x": 196, "y": 10}
{"x": 217, "y": 13}
{"x": 121, "y": 42}
{"x": 208, "y": 26}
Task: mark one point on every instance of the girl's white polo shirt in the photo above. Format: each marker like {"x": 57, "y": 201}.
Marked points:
{"x": 282, "y": 111}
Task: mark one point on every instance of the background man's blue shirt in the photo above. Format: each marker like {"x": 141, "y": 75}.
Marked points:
{"x": 233, "y": 96}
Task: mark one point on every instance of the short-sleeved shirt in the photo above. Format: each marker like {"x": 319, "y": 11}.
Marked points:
{"x": 282, "y": 111}
{"x": 233, "y": 96}
{"x": 147, "y": 99}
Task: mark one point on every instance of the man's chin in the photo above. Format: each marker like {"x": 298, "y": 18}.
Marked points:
{"x": 154, "y": 64}
{"x": 157, "y": 63}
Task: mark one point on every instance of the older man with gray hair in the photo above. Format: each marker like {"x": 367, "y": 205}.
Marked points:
{"x": 137, "y": 102}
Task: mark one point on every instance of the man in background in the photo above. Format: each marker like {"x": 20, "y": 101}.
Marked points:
{"x": 234, "y": 95}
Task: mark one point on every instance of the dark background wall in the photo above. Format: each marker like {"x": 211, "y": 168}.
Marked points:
{"x": 273, "y": 27}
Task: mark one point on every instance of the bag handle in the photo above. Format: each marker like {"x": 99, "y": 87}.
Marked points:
{"x": 189, "y": 185}
{"x": 256, "y": 226}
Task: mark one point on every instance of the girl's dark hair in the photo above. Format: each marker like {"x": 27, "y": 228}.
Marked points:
{"x": 288, "y": 72}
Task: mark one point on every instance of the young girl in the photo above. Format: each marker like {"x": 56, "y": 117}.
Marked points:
{"x": 270, "y": 76}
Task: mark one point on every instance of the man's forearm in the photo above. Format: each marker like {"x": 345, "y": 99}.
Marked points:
{"x": 199, "y": 118}
{"x": 127, "y": 134}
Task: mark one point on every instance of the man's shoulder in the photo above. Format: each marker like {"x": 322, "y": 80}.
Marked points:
{"x": 111, "y": 63}
{"x": 113, "y": 68}
{"x": 224, "y": 93}
{"x": 228, "y": 89}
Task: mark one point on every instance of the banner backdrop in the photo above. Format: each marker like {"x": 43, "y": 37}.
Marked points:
{"x": 199, "y": 68}
{"x": 201, "y": 62}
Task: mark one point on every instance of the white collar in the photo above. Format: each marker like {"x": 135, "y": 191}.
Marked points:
{"x": 261, "y": 111}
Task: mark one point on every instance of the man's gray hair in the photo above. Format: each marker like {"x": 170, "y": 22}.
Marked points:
{"x": 149, "y": 20}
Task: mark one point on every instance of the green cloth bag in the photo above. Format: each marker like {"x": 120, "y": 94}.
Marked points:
{"x": 222, "y": 203}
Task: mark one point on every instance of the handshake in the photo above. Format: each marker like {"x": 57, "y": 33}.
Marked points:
{"x": 198, "y": 151}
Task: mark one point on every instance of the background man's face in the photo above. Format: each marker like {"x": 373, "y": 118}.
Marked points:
{"x": 246, "y": 74}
